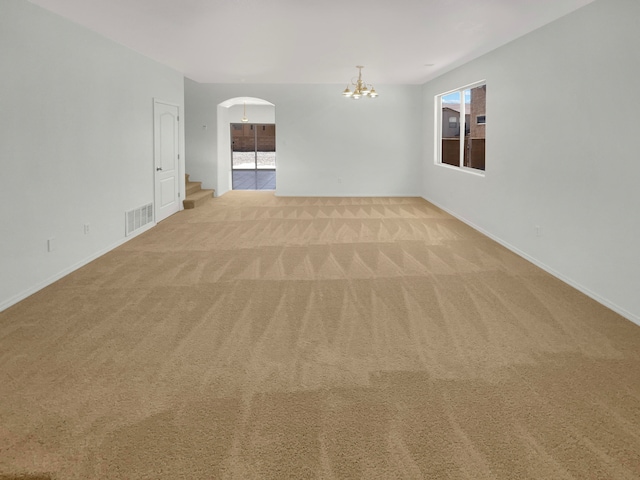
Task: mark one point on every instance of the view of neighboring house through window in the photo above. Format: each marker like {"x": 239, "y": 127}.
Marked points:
{"x": 461, "y": 127}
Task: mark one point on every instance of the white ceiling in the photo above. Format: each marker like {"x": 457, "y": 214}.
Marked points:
{"x": 312, "y": 41}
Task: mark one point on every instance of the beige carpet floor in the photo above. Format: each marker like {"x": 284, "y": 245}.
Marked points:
{"x": 259, "y": 337}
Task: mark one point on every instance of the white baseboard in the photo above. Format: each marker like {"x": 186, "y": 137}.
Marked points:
{"x": 30, "y": 291}
{"x": 612, "y": 306}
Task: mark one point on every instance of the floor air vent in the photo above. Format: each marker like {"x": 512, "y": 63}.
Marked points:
{"x": 138, "y": 218}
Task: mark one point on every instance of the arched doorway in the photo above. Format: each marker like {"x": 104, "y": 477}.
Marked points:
{"x": 246, "y": 144}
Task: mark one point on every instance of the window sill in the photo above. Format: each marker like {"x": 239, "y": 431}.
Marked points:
{"x": 472, "y": 171}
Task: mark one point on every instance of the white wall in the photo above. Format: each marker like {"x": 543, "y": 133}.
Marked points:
{"x": 76, "y": 143}
{"x": 326, "y": 145}
{"x": 561, "y": 150}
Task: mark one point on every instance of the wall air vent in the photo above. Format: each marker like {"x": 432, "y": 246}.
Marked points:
{"x": 138, "y": 218}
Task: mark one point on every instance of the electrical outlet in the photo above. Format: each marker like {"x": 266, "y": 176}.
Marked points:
{"x": 86, "y": 228}
{"x": 51, "y": 245}
{"x": 538, "y": 231}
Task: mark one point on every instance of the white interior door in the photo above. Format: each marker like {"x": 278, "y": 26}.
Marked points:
{"x": 166, "y": 159}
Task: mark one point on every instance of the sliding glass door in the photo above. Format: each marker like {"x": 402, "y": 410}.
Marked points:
{"x": 253, "y": 156}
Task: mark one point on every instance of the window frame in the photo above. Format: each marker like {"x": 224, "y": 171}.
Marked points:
{"x": 462, "y": 124}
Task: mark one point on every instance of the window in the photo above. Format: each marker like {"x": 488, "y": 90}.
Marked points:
{"x": 460, "y": 141}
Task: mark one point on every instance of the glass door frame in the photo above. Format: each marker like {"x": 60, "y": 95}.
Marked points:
{"x": 258, "y": 147}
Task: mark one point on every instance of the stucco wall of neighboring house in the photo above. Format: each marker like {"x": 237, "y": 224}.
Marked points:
{"x": 478, "y": 107}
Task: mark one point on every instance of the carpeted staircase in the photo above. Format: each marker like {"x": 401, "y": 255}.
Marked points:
{"x": 195, "y": 194}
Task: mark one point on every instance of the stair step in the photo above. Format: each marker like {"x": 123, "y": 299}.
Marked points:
{"x": 193, "y": 187}
{"x": 198, "y": 198}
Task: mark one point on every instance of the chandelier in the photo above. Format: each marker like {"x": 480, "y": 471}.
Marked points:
{"x": 244, "y": 118}
{"x": 361, "y": 89}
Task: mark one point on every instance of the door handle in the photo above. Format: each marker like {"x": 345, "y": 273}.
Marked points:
{"x": 158, "y": 169}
